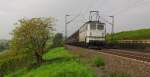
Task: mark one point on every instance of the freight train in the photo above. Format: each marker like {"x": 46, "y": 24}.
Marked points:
{"x": 93, "y": 33}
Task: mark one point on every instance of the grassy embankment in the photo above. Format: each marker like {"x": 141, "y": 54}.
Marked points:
{"x": 59, "y": 64}
{"x": 11, "y": 61}
{"x": 141, "y": 34}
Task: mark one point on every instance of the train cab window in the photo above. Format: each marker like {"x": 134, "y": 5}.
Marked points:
{"x": 93, "y": 26}
{"x": 100, "y": 27}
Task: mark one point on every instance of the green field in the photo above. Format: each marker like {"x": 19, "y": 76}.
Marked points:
{"x": 59, "y": 64}
{"x": 142, "y": 34}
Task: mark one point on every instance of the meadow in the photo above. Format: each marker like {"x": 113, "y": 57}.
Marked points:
{"x": 141, "y": 34}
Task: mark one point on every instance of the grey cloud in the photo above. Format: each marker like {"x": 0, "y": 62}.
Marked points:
{"x": 134, "y": 16}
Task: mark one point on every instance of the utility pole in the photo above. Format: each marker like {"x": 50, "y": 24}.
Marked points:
{"x": 66, "y": 23}
{"x": 112, "y": 30}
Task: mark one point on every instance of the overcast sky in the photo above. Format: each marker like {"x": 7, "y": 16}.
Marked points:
{"x": 129, "y": 14}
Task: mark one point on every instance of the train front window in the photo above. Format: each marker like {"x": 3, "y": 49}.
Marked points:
{"x": 93, "y": 26}
{"x": 100, "y": 27}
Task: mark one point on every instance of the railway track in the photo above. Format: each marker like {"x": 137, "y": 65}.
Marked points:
{"x": 130, "y": 54}
{"x": 124, "y": 53}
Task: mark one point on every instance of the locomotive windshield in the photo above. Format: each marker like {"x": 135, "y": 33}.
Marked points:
{"x": 100, "y": 27}
{"x": 96, "y": 26}
{"x": 93, "y": 26}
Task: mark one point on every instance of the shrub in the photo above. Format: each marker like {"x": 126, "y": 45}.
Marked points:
{"x": 15, "y": 62}
{"x": 99, "y": 61}
{"x": 58, "y": 40}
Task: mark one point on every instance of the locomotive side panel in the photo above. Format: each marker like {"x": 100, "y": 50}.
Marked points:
{"x": 83, "y": 33}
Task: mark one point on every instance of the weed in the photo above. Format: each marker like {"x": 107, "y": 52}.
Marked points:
{"x": 99, "y": 61}
{"x": 119, "y": 74}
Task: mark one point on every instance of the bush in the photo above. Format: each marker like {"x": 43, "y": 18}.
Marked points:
{"x": 10, "y": 62}
{"x": 58, "y": 40}
{"x": 98, "y": 61}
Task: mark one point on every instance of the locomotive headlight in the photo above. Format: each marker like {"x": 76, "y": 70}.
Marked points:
{"x": 102, "y": 34}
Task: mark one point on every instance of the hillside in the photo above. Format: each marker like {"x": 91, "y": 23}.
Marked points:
{"x": 60, "y": 64}
{"x": 142, "y": 34}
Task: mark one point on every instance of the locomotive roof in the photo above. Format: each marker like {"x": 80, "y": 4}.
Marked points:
{"x": 94, "y": 22}
{"x": 88, "y": 22}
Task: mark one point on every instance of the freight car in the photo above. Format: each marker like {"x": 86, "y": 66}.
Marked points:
{"x": 92, "y": 33}
{"x": 138, "y": 44}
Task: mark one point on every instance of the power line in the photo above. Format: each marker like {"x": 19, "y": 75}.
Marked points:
{"x": 90, "y": 5}
{"x": 129, "y": 7}
{"x": 82, "y": 12}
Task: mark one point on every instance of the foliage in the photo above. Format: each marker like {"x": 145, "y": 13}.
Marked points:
{"x": 98, "y": 61}
{"x": 11, "y": 61}
{"x": 32, "y": 35}
{"x": 61, "y": 68}
{"x": 58, "y": 40}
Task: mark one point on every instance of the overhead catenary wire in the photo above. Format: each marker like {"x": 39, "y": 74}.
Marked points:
{"x": 83, "y": 12}
{"x": 128, "y": 7}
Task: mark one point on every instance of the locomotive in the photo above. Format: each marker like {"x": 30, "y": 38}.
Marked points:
{"x": 92, "y": 33}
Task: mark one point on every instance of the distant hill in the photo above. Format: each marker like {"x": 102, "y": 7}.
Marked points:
{"x": 141, "y": 34}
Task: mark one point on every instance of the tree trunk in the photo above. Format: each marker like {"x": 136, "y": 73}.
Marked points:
{"x": 39, "y": 58}
{"x": 1, "y": 73}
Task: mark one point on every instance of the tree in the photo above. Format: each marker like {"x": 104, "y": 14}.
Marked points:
{"x": 32, "y": 35}
{"x": 3, "y": 45}
{"x": 58, "y": 40}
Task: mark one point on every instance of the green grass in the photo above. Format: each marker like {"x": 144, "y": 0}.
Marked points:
{"x": 65, "y": 69}
{"x": 57, "y": 53}
{"x": 141, "y": 34}
{"x": 60, "y": 64}
{"x": 17, "y": 73}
